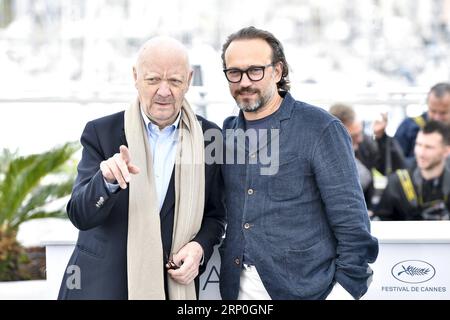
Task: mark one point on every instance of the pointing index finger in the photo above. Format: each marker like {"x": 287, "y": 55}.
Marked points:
{"x": 125, "y": 154}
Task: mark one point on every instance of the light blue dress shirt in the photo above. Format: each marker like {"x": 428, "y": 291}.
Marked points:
{"x": 163, "y": 145}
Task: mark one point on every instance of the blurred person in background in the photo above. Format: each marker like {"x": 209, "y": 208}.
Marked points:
{"x": 380, "y": 152}
{"x": 421, "y": 193}
{"x": 438, "y": 101}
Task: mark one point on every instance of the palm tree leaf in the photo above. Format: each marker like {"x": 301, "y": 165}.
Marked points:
{"x": 39, "y": 215}
{"x": 5, "y": 158}
{"x": 43, "y": 195}
{"x": 24, "y": 174}
{"x": 10, "y": 181}
{"x": 28, "y": 172}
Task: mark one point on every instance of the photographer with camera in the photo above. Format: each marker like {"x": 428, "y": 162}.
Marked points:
{"x": 421, "y": 193}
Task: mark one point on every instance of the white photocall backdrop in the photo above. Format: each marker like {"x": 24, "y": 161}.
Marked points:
{"x": 412, "y": 263}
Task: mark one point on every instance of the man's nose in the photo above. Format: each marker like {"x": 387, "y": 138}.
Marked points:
{"x": 245, "y": 81}
{"x": 164, "y": 89}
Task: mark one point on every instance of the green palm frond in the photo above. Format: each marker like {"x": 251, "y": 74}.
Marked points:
{"x": 5, "y": 158}
{"x": 22, "y": 194}
{"x": 61, "y": 213}
{"x": 39, "y": 198}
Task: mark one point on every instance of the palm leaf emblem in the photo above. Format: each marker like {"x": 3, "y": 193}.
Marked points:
{"x": 413, "y": 271}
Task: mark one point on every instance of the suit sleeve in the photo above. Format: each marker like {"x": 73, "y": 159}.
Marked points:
{"x": 337, "y": 180}
{"x": 213, "y": 224}
{"x": 91, "y": 202}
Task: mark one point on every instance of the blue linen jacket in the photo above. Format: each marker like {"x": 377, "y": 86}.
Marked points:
{"x": 306, "y": 226}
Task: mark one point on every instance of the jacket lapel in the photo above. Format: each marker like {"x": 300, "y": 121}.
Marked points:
{"x": 169, "y": 200}
{"x": 123, "y": 138}
{"x": 283, "y": 113}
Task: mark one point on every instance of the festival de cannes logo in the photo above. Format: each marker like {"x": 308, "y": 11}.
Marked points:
{"x": 413, "y": 271}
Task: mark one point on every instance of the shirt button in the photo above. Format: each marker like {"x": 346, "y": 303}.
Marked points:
{"x": 247, "y": 226}
{"x": 253, "y": 155}
{"x": 237, "y": 261}
{"x": 250, "y": 191}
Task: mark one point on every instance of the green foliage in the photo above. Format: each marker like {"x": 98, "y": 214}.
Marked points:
{"x": 12, "y": 256}
{"x": 30, "y": 188}
{"x": 23, "y": 193}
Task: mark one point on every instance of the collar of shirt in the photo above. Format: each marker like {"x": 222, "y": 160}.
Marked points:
{"x": 153, "y": 129}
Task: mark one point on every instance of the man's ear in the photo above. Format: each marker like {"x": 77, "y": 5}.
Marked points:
{"x": 278, "y": 71}
{"x": 191, "y": 73}
{"x": 447, "y": 151}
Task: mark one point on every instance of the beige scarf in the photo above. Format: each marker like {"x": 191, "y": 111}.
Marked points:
{"x": 144, "y": 248}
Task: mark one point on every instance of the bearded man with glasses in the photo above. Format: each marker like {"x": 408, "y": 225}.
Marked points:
{"x": 299, "y": 230}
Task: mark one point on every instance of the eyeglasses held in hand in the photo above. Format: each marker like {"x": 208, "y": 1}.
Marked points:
{"x": 254, "y": 73}
{"x": 171, "y": 264}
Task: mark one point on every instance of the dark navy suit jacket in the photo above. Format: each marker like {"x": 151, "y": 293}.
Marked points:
{"x": 102, "y": 217}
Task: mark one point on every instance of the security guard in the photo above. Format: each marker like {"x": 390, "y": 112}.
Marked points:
{"x": 421, "y": 193}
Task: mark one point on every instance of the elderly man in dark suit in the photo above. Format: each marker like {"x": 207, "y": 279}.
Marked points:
{"x": 148, "y": 207}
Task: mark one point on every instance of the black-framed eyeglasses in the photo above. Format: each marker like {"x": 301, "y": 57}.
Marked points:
{"x": 254, "y": 73}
